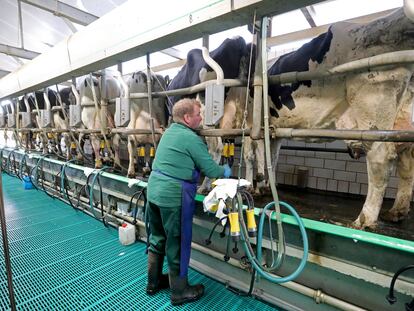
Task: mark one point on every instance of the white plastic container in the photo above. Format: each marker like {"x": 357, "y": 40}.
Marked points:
{"x": 126, "y": 234}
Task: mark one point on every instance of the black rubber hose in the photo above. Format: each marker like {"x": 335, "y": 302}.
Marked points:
{"x": 43, "y": 180}
{"x": 101, "y": 198}
{"x": 390, "y": 297}
{"x": 139, "y": 193}
{"x": 208, "y": 240}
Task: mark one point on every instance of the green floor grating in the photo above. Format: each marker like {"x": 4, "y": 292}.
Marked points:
{"x": 63, "y": 259}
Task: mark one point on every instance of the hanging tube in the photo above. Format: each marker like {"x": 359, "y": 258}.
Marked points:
{"x": 268, "y": 155}
{"x": 212, "y": 63}
{"x": 76, "y": 94}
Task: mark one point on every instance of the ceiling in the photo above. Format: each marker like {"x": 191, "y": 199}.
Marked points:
{"x": 44, "y": 23}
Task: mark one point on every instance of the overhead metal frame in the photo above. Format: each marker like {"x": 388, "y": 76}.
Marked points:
{"x": 104, "y": 43}
{"x": 61, "y": 9}
{"x": 18, "y": 52}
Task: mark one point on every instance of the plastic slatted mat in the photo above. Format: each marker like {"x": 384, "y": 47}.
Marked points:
{"x": 63, "y": 259}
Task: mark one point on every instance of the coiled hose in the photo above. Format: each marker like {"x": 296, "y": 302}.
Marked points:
{"x": 256, "y": 260}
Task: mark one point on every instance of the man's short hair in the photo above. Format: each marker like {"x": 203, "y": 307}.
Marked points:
{"x": 182, "y": 107}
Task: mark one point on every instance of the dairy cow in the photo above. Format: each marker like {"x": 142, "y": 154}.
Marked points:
{"x": 47, "y": 100}
{"x": 140, "y": 118}
{"x": 233, "y": 57}
{"x": 376, "y": 99}
{"x": 92, "y": 117}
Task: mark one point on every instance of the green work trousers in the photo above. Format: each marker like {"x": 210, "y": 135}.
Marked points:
{"x": 165, "y": 237}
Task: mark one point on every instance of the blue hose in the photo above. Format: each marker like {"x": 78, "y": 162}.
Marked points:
{"x": 256, "y": 261}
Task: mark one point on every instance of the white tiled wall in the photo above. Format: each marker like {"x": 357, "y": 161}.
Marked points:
{"x": 327, "y": 170}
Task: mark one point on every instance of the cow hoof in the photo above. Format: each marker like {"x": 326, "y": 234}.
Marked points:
{"x": 131, "y": 175}
{"x": 393, "y": 216}
{"x": 146, "y": 171}
{"x": 369, "y": 226}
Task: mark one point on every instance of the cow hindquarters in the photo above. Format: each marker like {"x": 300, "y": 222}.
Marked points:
{"x": 405, "y": 170}
{"x": 380, "y": 160}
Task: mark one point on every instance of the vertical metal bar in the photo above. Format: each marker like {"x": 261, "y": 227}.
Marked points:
{"x": 103, "y": 101}
{"x": 19, "y": 10}
{"x": 258, "y": 88}
{"x": 6, "y": 245}
{"x": 149, "y": 85}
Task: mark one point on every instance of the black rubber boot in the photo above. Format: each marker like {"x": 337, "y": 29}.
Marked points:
{"x": 182, "y": 292}
{"x": 156, "y": 280}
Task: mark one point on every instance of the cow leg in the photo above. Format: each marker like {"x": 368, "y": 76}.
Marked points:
{"x": 215, "y": 148}
{"x": 380, "y": 160}
{"x": 45, "y": 144}
{"x": 80, "y": 143}
{"x": 131, "y": 151}
{"x": 116, "y": 143}
{"x": 275, "y": 146}
{"x": 405, "y": 170}
{"x": 261, "y": 186}
{"x": 248, "y": 153}
{"x": 67, "y": 141}
{"x": 95, "y": 141}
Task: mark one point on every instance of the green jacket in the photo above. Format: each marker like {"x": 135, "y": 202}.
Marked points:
{"x": 179, "y": 151}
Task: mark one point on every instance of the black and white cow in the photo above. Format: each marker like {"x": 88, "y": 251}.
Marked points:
{"x": 233, "y": 57}
{"x": 376, "y": 99}
{"x": 47, "y": 100}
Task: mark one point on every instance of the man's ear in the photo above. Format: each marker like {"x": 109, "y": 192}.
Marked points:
{"x": 186, "y": 118}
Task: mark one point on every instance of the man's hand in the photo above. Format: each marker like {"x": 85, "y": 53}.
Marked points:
{"x": 227, "y": 171}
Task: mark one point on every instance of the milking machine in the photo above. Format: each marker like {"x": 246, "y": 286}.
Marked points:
{"x": 240, "y": 211}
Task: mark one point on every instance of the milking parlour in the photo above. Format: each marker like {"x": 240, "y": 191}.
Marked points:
{"x": 207, "y": 155}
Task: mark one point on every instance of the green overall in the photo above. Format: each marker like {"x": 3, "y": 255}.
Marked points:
{"x": 180, "y": 153}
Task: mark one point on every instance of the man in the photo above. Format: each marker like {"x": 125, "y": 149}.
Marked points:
{"x": 172, "y": 185}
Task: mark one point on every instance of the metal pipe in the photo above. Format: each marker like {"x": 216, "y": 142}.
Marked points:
{"x": 362, "y": 135}
{"x": 103, "y": 101}
{"x": 6, "y": 245}
{"x": 258, "y": 93}
{"x": 19, "y": 12}
{"x": 397, "y": 58}
{"x": 17, "y": 115}
{"x": 149, "y": 90}
{"x": 409, "y": 9}
{"x": 317, "y": 295}
{"x": 125, "y": 131}
{"x": 222, "y": 132}
{"x": 88, "y": 131}
{"x": 189, "y": 90}
{"x": 213, "y": 64}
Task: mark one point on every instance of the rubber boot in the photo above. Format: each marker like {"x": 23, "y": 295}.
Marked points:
{"x": 156, "y": 280}
{"x": 182, "y": 292}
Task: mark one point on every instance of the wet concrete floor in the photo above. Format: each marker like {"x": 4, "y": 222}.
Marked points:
{"x": 338, "y": 209}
